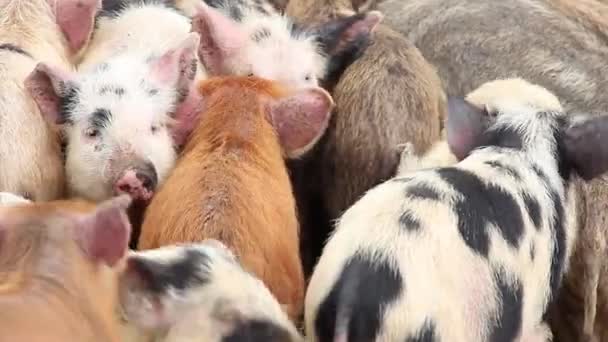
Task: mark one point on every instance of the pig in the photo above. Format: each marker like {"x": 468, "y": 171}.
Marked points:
{"x": 8, "y": 198}
{"x": 389, "y": 95}
{"x": 59, "y": 268}
{"x": 231, "y": 183}
{"x": 276, "y": 48}
{"x": 199, "y": 292}
{"x": 519, "y": 39}
{"x": 32, "y": 31}
{"x": 128, "y": 106}
{"x": 233, "y": 9}
{"x": 505, "y": 226}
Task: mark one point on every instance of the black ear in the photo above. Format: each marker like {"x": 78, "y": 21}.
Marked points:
{"x": 585, "y": 145}
{"x": 344, "y": 39}
{"x": 465, "y": 126}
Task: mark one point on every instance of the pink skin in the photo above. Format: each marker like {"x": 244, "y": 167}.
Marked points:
{"x": 130, "y": 184}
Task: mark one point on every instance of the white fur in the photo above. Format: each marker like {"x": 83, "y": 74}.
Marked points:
{"x": 93, "y": 164}
{"x": 443, "y": 279}
{"x": 29, "y": 158}
{"x": 119, "y": 55}
{"x": 7, "y": 198}
{"x": 294, "y": 60}
{"x": 207, "y": 312}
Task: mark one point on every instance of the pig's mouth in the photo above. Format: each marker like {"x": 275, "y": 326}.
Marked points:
{"x": 137, "y": 185}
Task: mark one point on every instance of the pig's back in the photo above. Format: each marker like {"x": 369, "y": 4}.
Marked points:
{"x": 242, "y": 199}
{"x": 30, "y": 152}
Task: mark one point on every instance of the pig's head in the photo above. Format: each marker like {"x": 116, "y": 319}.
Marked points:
{"x": 122, "y": 119}
{"x": 272, "y": 47}
{"x": 73, "y": 246}
{"x": 200, "y": 291}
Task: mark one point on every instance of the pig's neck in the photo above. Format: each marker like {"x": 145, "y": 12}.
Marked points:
{"x": 233, "y": 130}
{"x": 35, "y": 31}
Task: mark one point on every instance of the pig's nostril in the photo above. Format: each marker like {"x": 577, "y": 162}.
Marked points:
{"x": 125, "y": 188}
{"x": 145, "y": 181}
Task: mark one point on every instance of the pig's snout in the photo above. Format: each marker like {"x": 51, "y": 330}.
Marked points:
{"x": 140, "y": 183}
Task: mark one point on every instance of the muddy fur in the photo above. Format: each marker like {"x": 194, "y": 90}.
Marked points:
{"x": 561, "y": 45}
{"x": 388, "y": 96}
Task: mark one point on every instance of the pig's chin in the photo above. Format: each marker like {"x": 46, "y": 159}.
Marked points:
{"x": 141, "y": 195}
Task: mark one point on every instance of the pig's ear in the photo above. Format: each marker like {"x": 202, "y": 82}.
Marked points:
{"x": 301, "y": 119}
{"x": 49, "y": 87}
{"x": 76, "y": 19}
{"x": 221, "y": 38}
{"x": 344, "y": 39}
{"x": 584, "y": 146}
{"x": 177, "y": 67}
{"x": 465, "y": 126}
{"x": 104, "y": 234}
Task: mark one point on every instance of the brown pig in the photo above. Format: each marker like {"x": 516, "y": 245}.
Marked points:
{"x": 31, "y": 31}
{"x": 388, "y": 95}
{"x": 59, "y": 265}
{"x": 231, "y": 183}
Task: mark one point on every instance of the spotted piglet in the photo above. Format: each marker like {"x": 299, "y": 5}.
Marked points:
{"x": 474, "y": 251}
{"x": 273, "y": 47}
{"x": 198, "y": 292}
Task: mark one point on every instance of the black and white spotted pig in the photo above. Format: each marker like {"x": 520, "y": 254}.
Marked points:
{"x": 198, "y": 292}
{"x": 469, "y": 252}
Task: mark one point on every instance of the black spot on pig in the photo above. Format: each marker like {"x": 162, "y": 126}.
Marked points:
{"x": 261, "y": 34}
{"x": 409, "y": 221}
{"x": 192, "y": 269}
{"x": 503, "y": 168}
{"x": 114, "y": 8}
{"x": 508, "y": 324}
{"x": 481, "y": 205}
{"x": 426, "y": 333}
{"x": 68, "y": 102}
{"x": 235, "y": 13}
{"x": 15, "y": 49}
{"x": 363, "y": 291}
{"x": 422, "y": 191}
{"x": 532, "y": 251}
{"x": 533, "y": 208}
{"x": 559, "y": 235}
{"x": 118, "y": 91}
{"x": 100, "y": 118}
{"x": 257, "y": 331}
{"x": 504, "y": 136}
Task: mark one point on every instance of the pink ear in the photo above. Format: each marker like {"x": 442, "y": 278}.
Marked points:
{"x": 301, "y": 119}
{"x": 177, "y": 67}
{"x": 186, "y": 116}
{"x": 76, "y": 18}
{"x": 47, "y": 85}
{"x": 221, "y": 38}
{"x": 104, "y": 234}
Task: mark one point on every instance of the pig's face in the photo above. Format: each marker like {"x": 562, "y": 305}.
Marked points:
{"x": 117, "y": 131}
{"x": 121, "y": 119}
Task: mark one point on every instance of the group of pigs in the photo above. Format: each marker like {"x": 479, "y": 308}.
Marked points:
{"x": 177, "y": 170}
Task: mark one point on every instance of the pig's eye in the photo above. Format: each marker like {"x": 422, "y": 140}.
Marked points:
{"x": 92, "y": 132}
{"x": 250, "y": 74}
{"x": 308, "y": 78}
{"x": 154, "y": 128}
